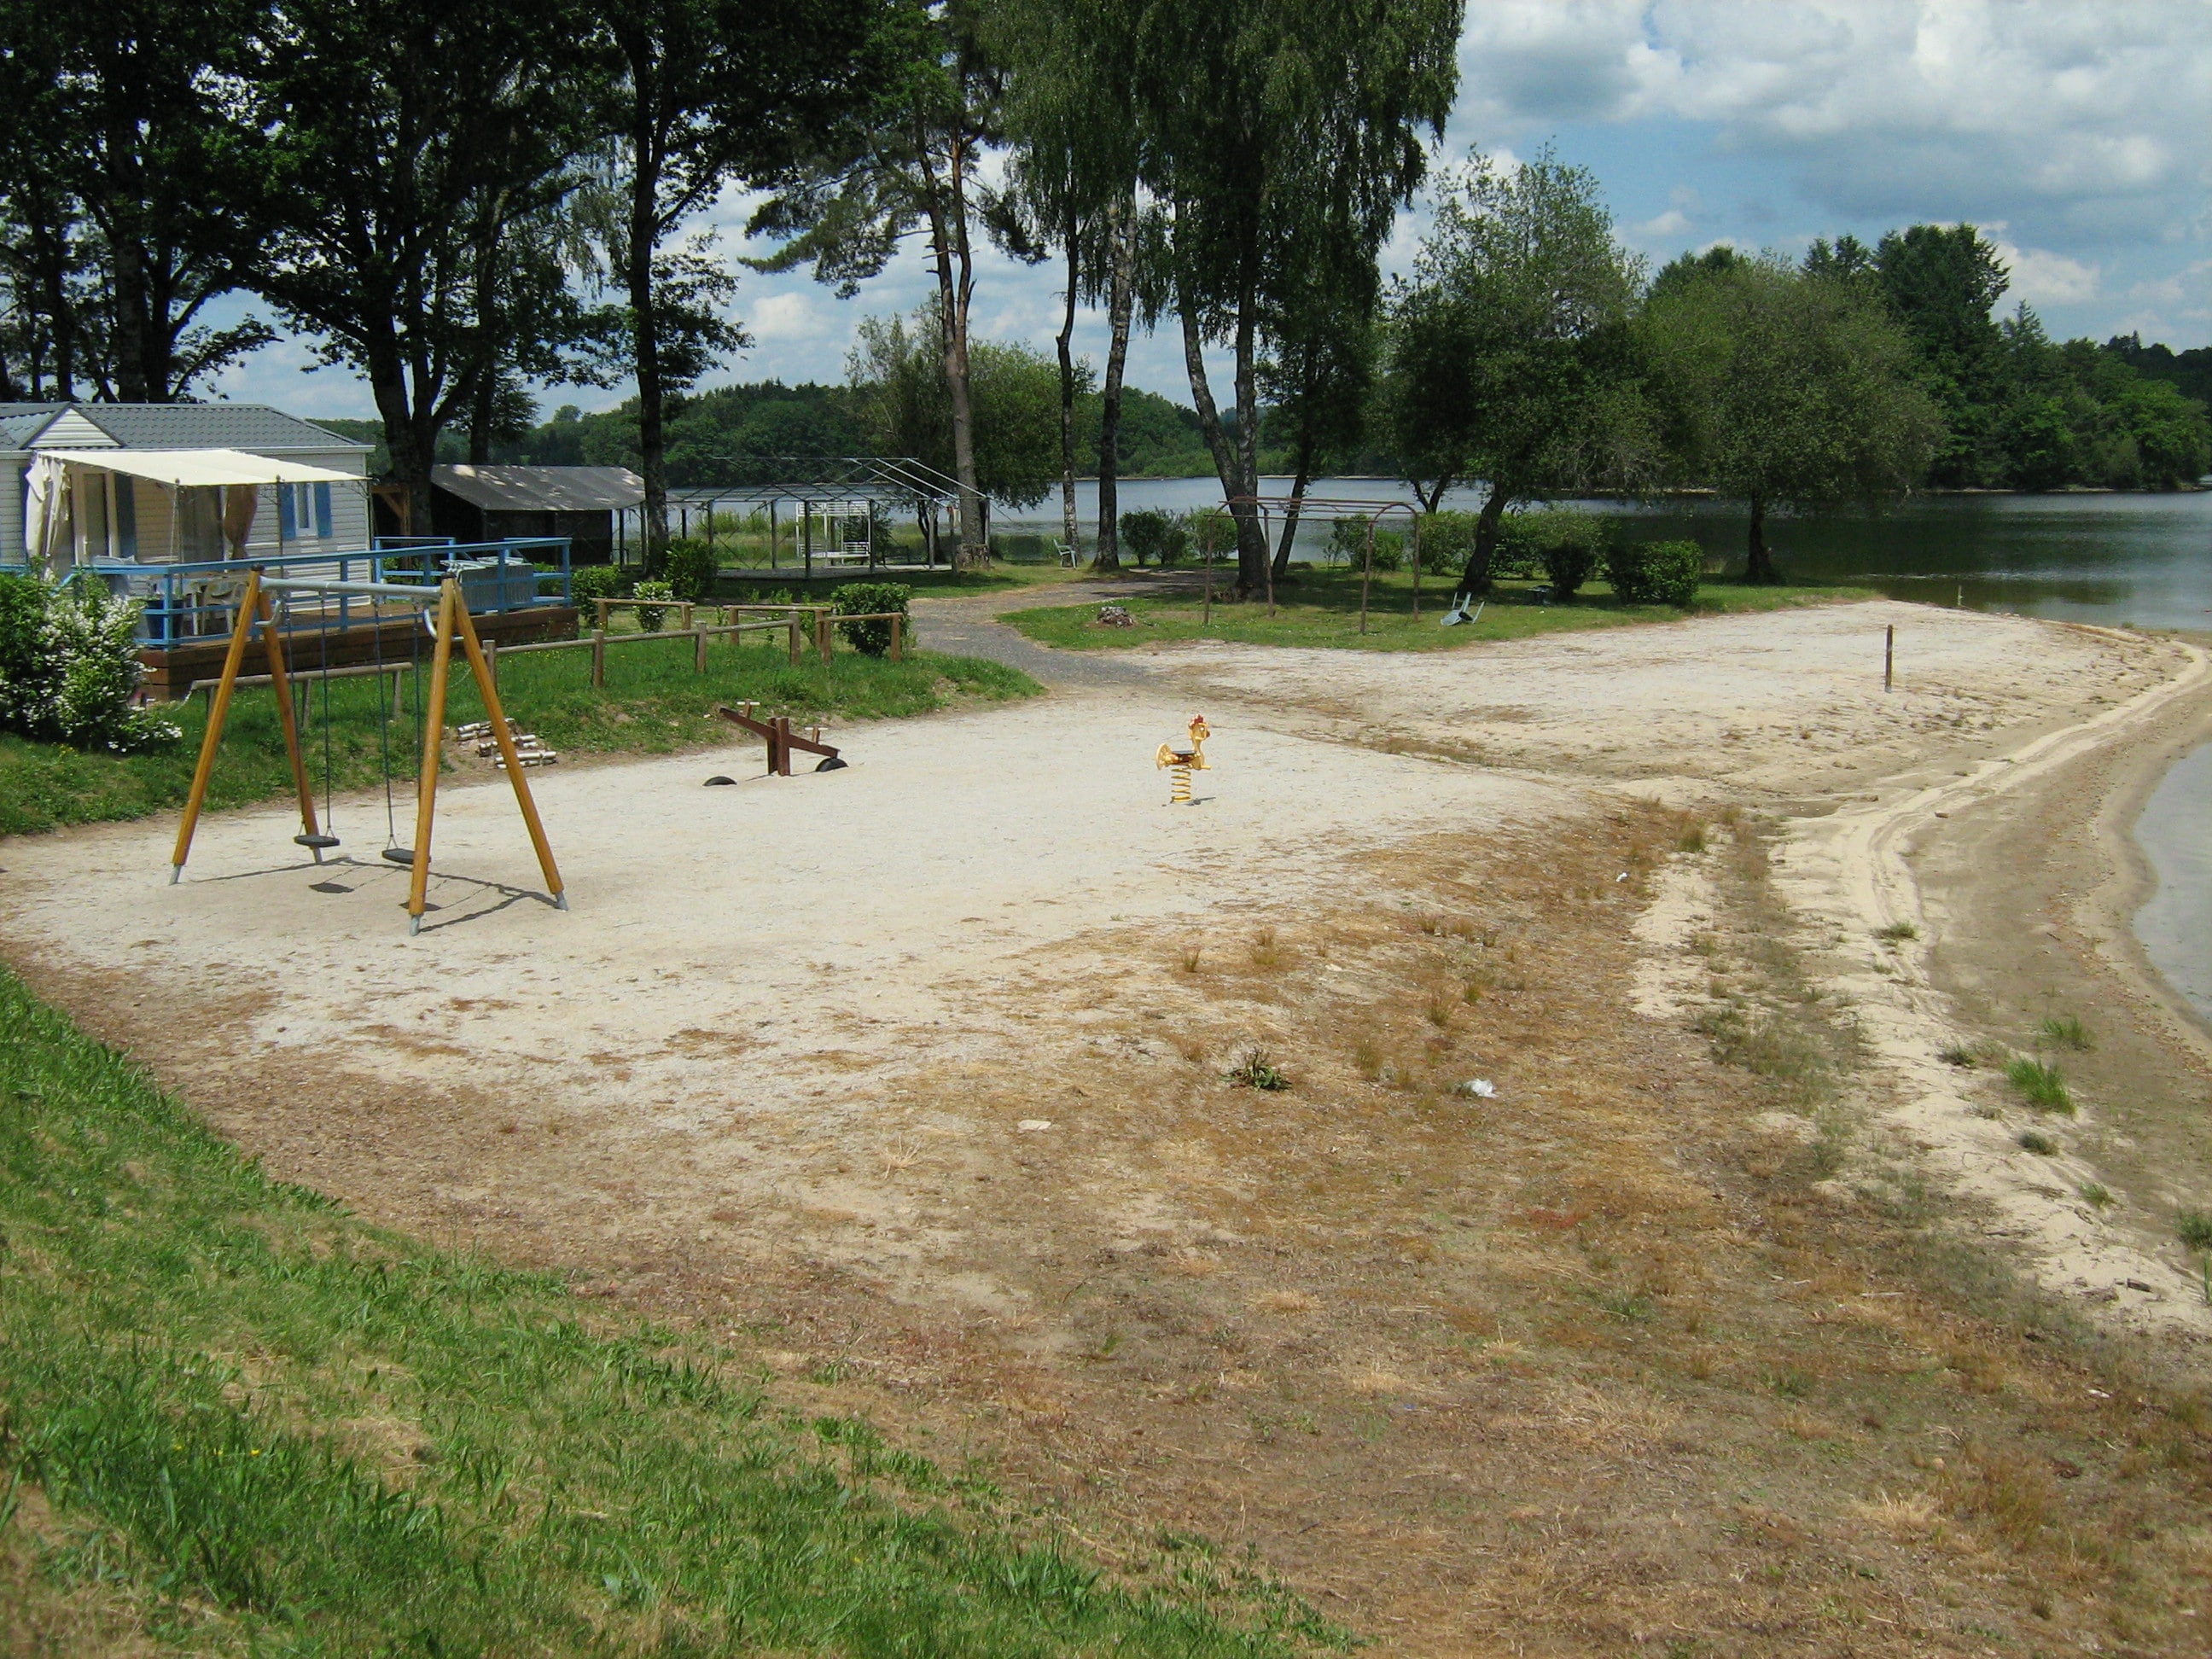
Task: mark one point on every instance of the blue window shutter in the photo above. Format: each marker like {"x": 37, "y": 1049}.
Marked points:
{"x": 126, "y": 517}
{"x": 322, "y": 509}
{"x": 287, "y": 522}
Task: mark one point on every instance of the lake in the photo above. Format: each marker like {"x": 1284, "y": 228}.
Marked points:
{"x": 2103, "y": 558}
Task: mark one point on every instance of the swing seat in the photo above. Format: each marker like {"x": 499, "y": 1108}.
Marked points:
{"x": 318, "y": 842}
{"x": 399, "y": 855}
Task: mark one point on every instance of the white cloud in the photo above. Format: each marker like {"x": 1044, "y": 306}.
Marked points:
{"x": 2078, "y": 122}
{"x": 2046, "y": 279}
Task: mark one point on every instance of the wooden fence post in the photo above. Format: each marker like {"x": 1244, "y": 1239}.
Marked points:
{"x": 684, "y": 611}
{"x": 698, "y": 650}
{"x": 600, "y": 605}
{"x": 598, "y": 656}
{"x": 794, "y": 639}
{"x": 822, "y": 635}
{"x": 898, "y": 627}
{"x": 491, "y": 661}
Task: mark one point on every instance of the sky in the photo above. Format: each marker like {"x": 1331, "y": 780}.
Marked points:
{"x": 2076, "y": 133}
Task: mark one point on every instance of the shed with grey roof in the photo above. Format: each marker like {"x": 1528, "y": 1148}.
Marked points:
{"x": 495, "y": 503}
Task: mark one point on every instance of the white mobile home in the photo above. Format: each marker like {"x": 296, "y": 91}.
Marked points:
{"x": 122, "y": 504}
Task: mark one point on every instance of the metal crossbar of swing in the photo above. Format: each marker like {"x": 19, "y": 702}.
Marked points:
{"x": 1371, "y": 510}
{"x": 452, "y": 623}
{"x": 196, "y": 599}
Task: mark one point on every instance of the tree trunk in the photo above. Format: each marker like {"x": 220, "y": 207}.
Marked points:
{"x": 1251, "y": 539}
{"x": 645, "y": 323}
{"x": 1209, "y": 416}
{"x": 1759, "y": 568}
{"x": 1120, "y": 298}
{"x": 1065, "y": 342}
{"x": 1430, "y": 499}
{"x": 409, "y": 448}
{"x": 948, "y": 243}
{"x": 125, "y": 191}
{"x": 1297, "y": 495}
{"x": 1474, "y": 580}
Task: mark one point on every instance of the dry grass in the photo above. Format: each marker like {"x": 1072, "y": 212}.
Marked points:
{"x": 1392, "y": 1339}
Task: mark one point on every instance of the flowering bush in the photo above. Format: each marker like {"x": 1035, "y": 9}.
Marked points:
{"x": 70, "y": 668}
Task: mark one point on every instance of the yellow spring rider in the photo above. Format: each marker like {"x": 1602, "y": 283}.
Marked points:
{"x": 1181, "y": 757}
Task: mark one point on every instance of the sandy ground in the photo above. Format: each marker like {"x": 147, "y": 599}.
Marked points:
{"x": 1756, "y": 707}
{"x": 945, "y": 1031}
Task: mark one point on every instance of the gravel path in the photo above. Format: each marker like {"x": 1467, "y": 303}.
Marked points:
{"x": 970, "y": 628}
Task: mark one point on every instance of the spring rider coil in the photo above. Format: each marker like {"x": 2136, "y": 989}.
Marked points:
{"x": 1182, "y": 756}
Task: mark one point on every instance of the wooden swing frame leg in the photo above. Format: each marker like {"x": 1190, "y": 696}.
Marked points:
{"x": 280, "y": 683}
{"x": 253, "y": 606}
{"x": 434, "y": 748}
{"x": 453, "y": 621}
{"x": 488, "y": 688}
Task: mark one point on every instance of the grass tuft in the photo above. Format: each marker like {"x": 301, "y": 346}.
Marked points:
{"x": 2036, "y": 1141}
{"x": 2068, "y": 1033}
{"x": 2040, "y": 1085}
{"x": 1897, "y": 932}
{"x": 1253, "y": 1070}
{"x": 2194, "y": 1229}
{"x": 2098, "y": 1196}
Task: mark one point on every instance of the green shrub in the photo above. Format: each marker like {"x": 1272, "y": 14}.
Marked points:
{"x": 587, "y": 583}
{"x": 1209, "y": 527}
{"x": 1154, "y": 534}
{"x": 1568, "y": 543}
{"x": 869, "y": 599}
{"x": 650, "y": 616}
{"x": 1517, "y": 554}
{"x": 1389, "y": 550}
{"x": 1656, "y": 573}
{"x": 689, "y": 568}
{"x": 1347, "y": 541}
{"x": 70, "y": 667}
{"x": 2194, "y": 1229}
{"x": 1447, "y": 540}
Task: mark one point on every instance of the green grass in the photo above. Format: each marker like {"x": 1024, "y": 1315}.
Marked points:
{"x": 2040, "y": 1085}
{"x": 272, "y": 1428}
{"x": 2067, "y": 1031}
{"x": 652, "y": 703}
{"x": 1321, "y": 608}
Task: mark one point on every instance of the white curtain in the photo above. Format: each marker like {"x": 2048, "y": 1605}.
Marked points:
{"x": 45, "y": 515}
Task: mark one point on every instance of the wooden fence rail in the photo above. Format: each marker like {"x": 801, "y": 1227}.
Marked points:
{"x": 599, "y": 640}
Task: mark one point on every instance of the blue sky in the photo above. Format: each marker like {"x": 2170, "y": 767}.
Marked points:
{"x": 2079, "y": 135}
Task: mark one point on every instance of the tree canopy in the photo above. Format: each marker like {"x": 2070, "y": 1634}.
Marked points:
{"x": 1781, "y": 389}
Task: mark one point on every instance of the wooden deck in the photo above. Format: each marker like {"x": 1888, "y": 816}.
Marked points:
{"x": 170, "y": 670}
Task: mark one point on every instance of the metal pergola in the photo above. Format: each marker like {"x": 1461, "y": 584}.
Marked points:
{"x": 865, "y": 486}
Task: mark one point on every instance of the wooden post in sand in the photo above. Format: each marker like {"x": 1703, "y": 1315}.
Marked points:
{"x": 1889, "y": 657}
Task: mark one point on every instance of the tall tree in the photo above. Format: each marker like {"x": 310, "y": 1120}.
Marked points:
{"x": 1320, "y": 331}
{"x": 124, "y": 217}
{"x": 895, "y": 371}
{"x": 1509, "y": 347}
{"x": 910, "y": 160}
{"x": 397, "y": 147}
{"x": 1071, "y": 115}
{"x": 1784, "y": 390}
{"x": 1943, "y": 283}
{"x": 706, "y": 92}
{"x": 1263, "y": 123}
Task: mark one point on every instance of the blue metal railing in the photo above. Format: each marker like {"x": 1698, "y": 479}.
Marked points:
{"x": 197, "y": 600}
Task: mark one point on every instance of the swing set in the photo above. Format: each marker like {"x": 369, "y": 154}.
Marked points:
{"x": 450, "y": 621}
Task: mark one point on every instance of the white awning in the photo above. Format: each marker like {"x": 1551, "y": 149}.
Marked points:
{"x": 200, "y": 468}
